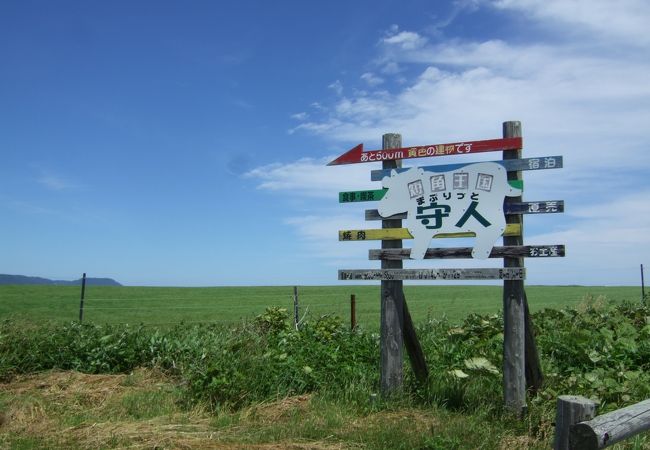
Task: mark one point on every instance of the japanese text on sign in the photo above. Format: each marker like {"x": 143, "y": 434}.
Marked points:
{"x": 469, "y": 199}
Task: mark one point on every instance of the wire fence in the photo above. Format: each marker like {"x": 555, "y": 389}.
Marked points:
{"x": 201, "y": 306}
{"x": 231, "y": 305}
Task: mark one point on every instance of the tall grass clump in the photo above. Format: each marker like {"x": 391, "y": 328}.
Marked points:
{"x": 267, "y": 359}
{"x": 464, "y": 362}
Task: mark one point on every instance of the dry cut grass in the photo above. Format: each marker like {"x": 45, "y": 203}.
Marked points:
{"x": 145, "y": 410}
{"x": 75, "y": 410}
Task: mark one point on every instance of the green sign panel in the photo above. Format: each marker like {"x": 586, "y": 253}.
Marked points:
{"x": 362, "y": 196}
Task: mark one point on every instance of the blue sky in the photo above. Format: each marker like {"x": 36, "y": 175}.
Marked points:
{"x": 185, "y": 143}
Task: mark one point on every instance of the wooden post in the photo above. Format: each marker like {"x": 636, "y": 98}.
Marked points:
{"x": 533, "y": 368}
{"x": 353, "y": 312}
{"x": 83, "y": 294}
{"x": 396, "y": 323}
{"x": 392, "y": 309}
{"x": 296, "y": 317}
{"x": 608, "y": 429}
{"x": 514, "y": 373}
{"x": 571, "y": 409}
{"x": 642, "y": 286}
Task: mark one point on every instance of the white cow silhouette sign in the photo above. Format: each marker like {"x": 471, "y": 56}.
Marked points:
{"x": 468, "y": 199}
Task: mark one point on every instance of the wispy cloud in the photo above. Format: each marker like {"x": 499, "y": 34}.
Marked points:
{"x": 570, "y": 91}
{"x": 300, "y": 116}
{"x": 337, "y": 87}
{"x": 242, "y": 104}
{"x": 372, "y": 79}
{"x": 310, "y": 177}
{"x": 55, "y": 182}
{"x": 404, "y": 40}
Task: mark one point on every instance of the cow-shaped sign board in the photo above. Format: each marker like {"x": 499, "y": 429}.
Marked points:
{"x": 468, "y": 199}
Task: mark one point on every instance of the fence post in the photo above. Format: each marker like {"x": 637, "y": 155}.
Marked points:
{"x": 296, "y": 318}
{"x": 571, "y": 409}
{"x": 83, "y": 294}
{"x": 353, "y": 312}
{"x": 392, "y": 299}
{"x": 643, "y": 300}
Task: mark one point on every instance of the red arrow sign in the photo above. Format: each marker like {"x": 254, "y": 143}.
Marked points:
{"x": 357, "y": 155}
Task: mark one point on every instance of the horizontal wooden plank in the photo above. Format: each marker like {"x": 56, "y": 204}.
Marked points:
{"x": 378, "y": 194}
{"x": 511, "y": 165}
{"x": 384, "y": 234}
{"x": 541, "y": 207}
{"x": 514, "y": 273}
{"x": 521, "y": 251}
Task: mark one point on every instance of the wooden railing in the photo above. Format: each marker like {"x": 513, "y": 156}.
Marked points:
{"x": 577, "y": 427}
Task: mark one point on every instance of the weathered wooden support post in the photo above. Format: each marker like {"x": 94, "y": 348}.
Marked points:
{"x": 571, "y": 409}
{"x": 353, "y": 312}
{"x": 392, "y": 299}
{"x": 608, "y": 429}
{"x": 514, "y": 367}
{"x": 533, "y": 368}
{"x": 413, "y": 347}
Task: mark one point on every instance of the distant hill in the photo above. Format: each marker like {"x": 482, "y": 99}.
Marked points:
{"x": 21, "y": 279}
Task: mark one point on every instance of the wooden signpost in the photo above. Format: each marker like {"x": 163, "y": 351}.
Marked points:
{"x": 444, "y": 201}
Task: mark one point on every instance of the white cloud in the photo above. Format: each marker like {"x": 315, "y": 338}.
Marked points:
{"x": 371, "y": 79}
{"x": 405, "y": 40}
{"x": 391, "y": 68}
{"x": 300, "y": 116}
{"x": 568, "y": 97}
{"x": 317, "y": 106}
{"x": 624, "y": 20}
{"x": 319, "y": 234}
{"x": 605, "y": 244}
{"x": 310, "y": 177}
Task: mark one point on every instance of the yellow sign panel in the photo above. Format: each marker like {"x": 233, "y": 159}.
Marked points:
{"x": 383, "y": 234}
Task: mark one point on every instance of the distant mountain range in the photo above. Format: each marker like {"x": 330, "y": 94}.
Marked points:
{"x": 21, "y": 279}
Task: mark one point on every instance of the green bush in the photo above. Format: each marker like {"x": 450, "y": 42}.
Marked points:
{"x": 596, "y": 350}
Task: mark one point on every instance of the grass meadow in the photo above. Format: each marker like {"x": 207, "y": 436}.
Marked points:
{"x": 223, "y": 367}
{"x": 166, "y": 306}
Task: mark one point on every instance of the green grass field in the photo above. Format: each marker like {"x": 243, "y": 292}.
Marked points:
{"x": 71, "y": 386}
{"x": 171, "y": 305}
